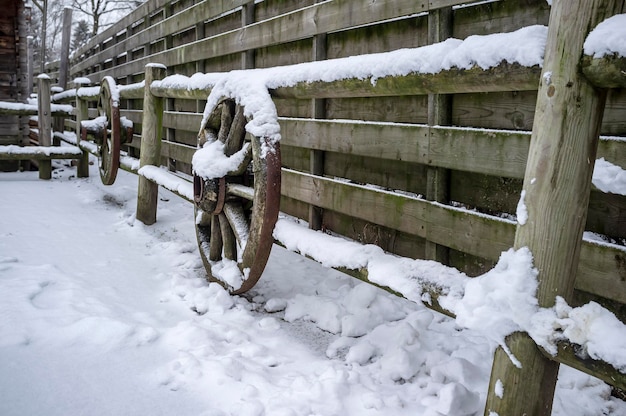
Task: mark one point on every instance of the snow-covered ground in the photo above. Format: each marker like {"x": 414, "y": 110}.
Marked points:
{"x": 102, "y": 315}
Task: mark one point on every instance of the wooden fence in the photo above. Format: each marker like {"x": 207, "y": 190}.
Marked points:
{"x": 446, "y": 153}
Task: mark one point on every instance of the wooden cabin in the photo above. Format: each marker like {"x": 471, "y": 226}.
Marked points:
{"x": 14, "y": 80}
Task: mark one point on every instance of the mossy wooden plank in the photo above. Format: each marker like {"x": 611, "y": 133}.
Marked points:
{"x": 500, "y": 16}
{"x": 177, "y": 151}
{"x": 498, "y": 153}
{"x": 283, "y": 54}
{"x": 388, "y": 141}
{"x": 607, "y": 215}
{"x": 297, "y": 158}
{"x": 409, "y": 177}
{"x": 614, "y": 122}
{"x": 389, "y": 36}
{"x": 493, "y": 152}
{"x": 488, "y": 194}
{"x": 401, "y": 109}
{"x": 511, "y": 110}
{"x": 182, "y": 121}
{"x": 390, "y": 240}
{"x": 422, "y": 218}
{"x": 602, "y": 269}
{"x": 271, "y": 8}
{"x": 504, "y": 77}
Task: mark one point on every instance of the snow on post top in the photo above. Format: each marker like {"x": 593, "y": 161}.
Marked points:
{"x": 608, "y": 38}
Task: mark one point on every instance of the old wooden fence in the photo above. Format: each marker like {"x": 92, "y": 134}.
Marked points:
{"x": 447, "y": 153}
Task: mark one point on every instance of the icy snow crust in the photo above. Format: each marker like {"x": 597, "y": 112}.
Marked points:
{"x": 105, "y": 316}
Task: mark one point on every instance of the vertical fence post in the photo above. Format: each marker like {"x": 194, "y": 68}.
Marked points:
{"x": 247, "y": 18}
{"x": 439, "y": 114}
{"x": 59, "y": 122}
{"x": 150, "y": 151}
{"x": 44, "y": 121}
{"x": 318, "y": 110}
{"x": 557, "y": 184}
{"x": 82, "y": 113}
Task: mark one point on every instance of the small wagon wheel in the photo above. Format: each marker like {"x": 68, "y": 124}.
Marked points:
{"x": 236, "y": 213}
{"x": 109, "y": 146}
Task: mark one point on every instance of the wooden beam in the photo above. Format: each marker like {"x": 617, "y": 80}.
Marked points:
{"x": 151, "y": 130}
{"x": 556, "y": 192}
{"x": 504, "y": 77}
{"x": 44, "y": 121}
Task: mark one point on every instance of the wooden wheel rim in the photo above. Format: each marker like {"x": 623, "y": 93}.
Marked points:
{"x": 260, "y": 212}
{"x": 109, "y": 149}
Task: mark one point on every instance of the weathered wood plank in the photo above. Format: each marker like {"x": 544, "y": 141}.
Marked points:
{"x": 601, "y": 270}
{"x": 177, "y": 151}
{"x": 504, "y": 77}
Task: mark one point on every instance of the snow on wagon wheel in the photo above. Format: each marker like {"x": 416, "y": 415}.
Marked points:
{"x": 110, "y": 142}
{"x": 237, "y": 198}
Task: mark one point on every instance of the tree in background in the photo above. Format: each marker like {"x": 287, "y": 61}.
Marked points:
{"x": 98, "y": 10}
{"x": 81, "y": 34}
{"x": 42, "y": 5}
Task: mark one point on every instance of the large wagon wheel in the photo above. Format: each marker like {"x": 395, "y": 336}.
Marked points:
{"x": 110, "y": 143}
{"x": 236, "y": 213}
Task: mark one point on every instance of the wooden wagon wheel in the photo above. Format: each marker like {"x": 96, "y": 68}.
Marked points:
{"x": 110, "y": 143}
{"x": 236, "y": 214}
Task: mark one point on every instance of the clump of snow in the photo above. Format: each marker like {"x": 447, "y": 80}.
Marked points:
{"x": 168, "y": 180}
{"x": 502, "y": 301}
{"x": 487, "y": 51}
{"x": 609, "y": 178}
{"x": 595, "y": 329}
{"x": 522, "y": 211}
{"x": 608, "y": 38}
{"x": 499, "y": 389}
{"x": 210, "y": 161}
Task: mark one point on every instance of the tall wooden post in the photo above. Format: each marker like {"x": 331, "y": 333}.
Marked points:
{"x": 59, "y": 122}
{"x": 557, "y": 185}
{"x": 439, "y": 114}
{"x": 318, "y": 110}
{"x": 82, "y": 113}
{"x": 247, "y": 18}
{"x": 44, "y": 121}
{"x": 150, "y": 152}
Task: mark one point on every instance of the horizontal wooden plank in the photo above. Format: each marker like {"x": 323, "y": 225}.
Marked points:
{"x": 494, "y": 152}
{"x": 504, "y": 77}
{"x": 182, "y": 121}
{"x": 602, "y": 269}
{"x": 403, "y": 142}
{"x": 177, "y": 151}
